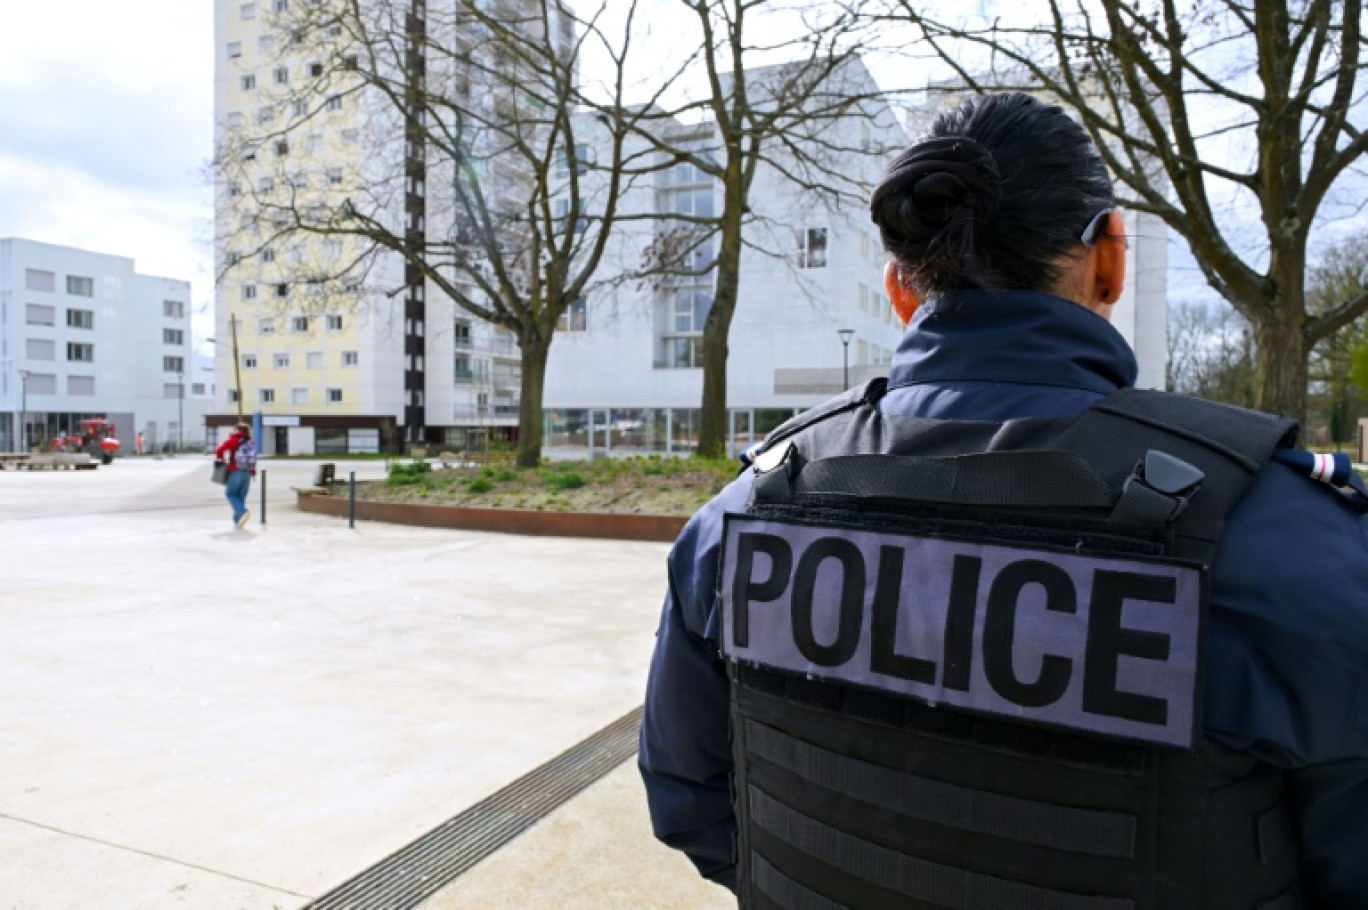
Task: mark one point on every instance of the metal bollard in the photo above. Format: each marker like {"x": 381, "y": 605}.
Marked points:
{"x": 351, "y": 500}
{"x": 263, "y": 495}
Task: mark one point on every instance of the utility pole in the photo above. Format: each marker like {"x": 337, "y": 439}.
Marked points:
{"x": 23, "y": 410}
{"x": 180, "y": 412}
{"x": 237, "y": 367}
{"x": 845, "y": 355}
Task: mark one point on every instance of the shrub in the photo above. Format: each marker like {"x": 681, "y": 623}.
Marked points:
{"x": 560, "y": 481}
{"x": 505, "y": 476}
{"x": 479, "y": 485}
{"x": 406, "y": 472}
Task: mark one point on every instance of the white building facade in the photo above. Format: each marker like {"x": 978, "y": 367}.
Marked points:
{"x": 624, "y": 377}
{"x": 83, "y": 335}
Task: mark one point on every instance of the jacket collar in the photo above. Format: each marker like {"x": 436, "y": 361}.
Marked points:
{"x": 1015, "y": 337}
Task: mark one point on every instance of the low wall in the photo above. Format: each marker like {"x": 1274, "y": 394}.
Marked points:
{"x": 609, "y": 525}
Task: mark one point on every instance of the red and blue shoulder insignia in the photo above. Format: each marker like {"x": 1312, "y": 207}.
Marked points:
{"x": 1335, "y": 470}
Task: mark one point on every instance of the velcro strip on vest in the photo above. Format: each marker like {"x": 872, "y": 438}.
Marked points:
{"x": 1105, "y": 645}
{"x": 1093, "y": 832}
{"x": 918, "y": 879}
{"x": 783, "y": 890}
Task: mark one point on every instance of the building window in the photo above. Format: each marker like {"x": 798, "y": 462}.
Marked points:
{"x": 315, "y": 70}
{"x": 299, "y": 108}
{"x": 460, "y": 333}
{"x": 40, "y": 349}
{"x": 80, "y": 351}
{"x": 268, "y": 255}
{"x": 234, "y": 189}
{"x": 249, "y": 292}
{"x": 80, "y": 286}
{"x": 299, "y": 324}
{"x": 38, "y": 314}
{"x": 265, "y": 184}
{"x": 248, "y": 82}
{"x": 173, "y": 336}
{"x": 173, "y": 364}
{"x": 266, "y": 325}
{"x": 247, "y": 11}
{"x": 232, "y": 396}
{"x": 314, "y": 360}
{"x": 234, "y": 48}
{"x": 282, "y": 75}
{"x": 313, "y": 142}
{"x": 333, "y": 104}
{"x": 282, "y": 148}
{"x": 81, "y": 385}
{"x": 282, "y": 290}
{"x": 249, "y": 361}
{"x": 173, "y": 390}
{"x": 81, "y": 319}
{"x": 266, "y": 44}
{"x": 299, "y": 180}
{"x": 282, "y": 5}
{"x": 575, "y": 317}
{"x": 334, "y": 396}
{"x": 463, "y": 373}
{"x": 334, "y": 323}
{"x": 39, "y": 280}
{"x": 350, "y": 358}
{"x": 334, "y": 176}
{"x": 299, "y": 396}
{"x": 281, "y": 361}
{"x": 173, "y": 308}
{"x": 266, "y": 396}
{"x": 812, "y": 247}
{"x": 197, "y": 388}
{"x": 349, "y": 137}
{"x": 41, "y": 384}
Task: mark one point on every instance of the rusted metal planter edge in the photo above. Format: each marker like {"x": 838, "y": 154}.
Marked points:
{"x": 606, "y": 525}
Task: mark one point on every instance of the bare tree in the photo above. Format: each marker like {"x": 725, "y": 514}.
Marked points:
{"x": 1211, "y": 355}
{"x": 501, "y": 193}
{"x": 1213, "y": 115}
{"x": 781, "y": 116}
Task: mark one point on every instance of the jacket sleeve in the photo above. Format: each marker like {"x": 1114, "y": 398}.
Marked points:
{"x": 685, "y": 753}
{"x": 1288, "y": 665}
{"x": 226, "y": 448}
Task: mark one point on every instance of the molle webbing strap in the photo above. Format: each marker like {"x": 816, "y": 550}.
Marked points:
{"x": 783, "y": 890}
{"x": 1229, "y": 445}
{"x": 1011, "y": 480}
{"x": 1093, "y": 832}
{"x": 916, "y": 879}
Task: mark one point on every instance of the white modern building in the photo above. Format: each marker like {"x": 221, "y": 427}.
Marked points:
{"x": 83, "y": 335}
{"x": 624, "y": 376}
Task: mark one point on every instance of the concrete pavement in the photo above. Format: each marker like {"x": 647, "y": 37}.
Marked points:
{"x": 199, "y": 717}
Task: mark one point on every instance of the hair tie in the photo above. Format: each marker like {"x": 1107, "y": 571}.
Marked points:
{"x": 942, "y": 179}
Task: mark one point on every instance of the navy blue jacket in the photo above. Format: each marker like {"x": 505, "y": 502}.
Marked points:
{"x": 1287, "y": 648}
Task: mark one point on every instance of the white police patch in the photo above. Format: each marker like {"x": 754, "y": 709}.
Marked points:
{"x": 1102, "y": 644}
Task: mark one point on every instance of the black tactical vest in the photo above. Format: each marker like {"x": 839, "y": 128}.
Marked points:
{"x": 966, "y": 664}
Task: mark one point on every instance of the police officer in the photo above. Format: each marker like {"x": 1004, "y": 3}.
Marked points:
{"x": 853, "y": 704}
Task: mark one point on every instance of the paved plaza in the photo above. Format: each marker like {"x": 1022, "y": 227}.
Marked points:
{"x": 200, "y": 717}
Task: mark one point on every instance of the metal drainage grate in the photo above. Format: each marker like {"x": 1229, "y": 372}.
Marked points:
{"x": 405, "y": 879}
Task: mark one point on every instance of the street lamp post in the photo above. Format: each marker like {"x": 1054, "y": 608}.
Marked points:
{"x": 23, "y": 410}
{"x": 845, "y": 355}
{"x": 180, "y": 413}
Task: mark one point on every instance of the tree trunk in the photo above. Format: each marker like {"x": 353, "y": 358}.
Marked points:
{"x": 534, "y": 353}
{"x": 1282, "y": 356}
{"x": 712, "y": 430}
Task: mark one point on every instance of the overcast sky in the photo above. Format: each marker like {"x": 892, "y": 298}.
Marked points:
{"x": 106, "y": 123}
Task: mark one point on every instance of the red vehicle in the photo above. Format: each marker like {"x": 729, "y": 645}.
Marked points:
{"x": 96, "y": 438}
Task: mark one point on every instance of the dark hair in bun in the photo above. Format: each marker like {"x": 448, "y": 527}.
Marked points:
{"x": 993, "y": 198}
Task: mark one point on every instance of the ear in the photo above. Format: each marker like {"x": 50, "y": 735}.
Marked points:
{"x": 905, "y": 300}
{"x": 1110, "y": 257}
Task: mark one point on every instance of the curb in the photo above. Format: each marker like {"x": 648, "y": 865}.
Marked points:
{"x": 602, "y": 525}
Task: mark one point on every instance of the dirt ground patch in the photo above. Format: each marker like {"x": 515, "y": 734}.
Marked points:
{"x": 642, "y": 485}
